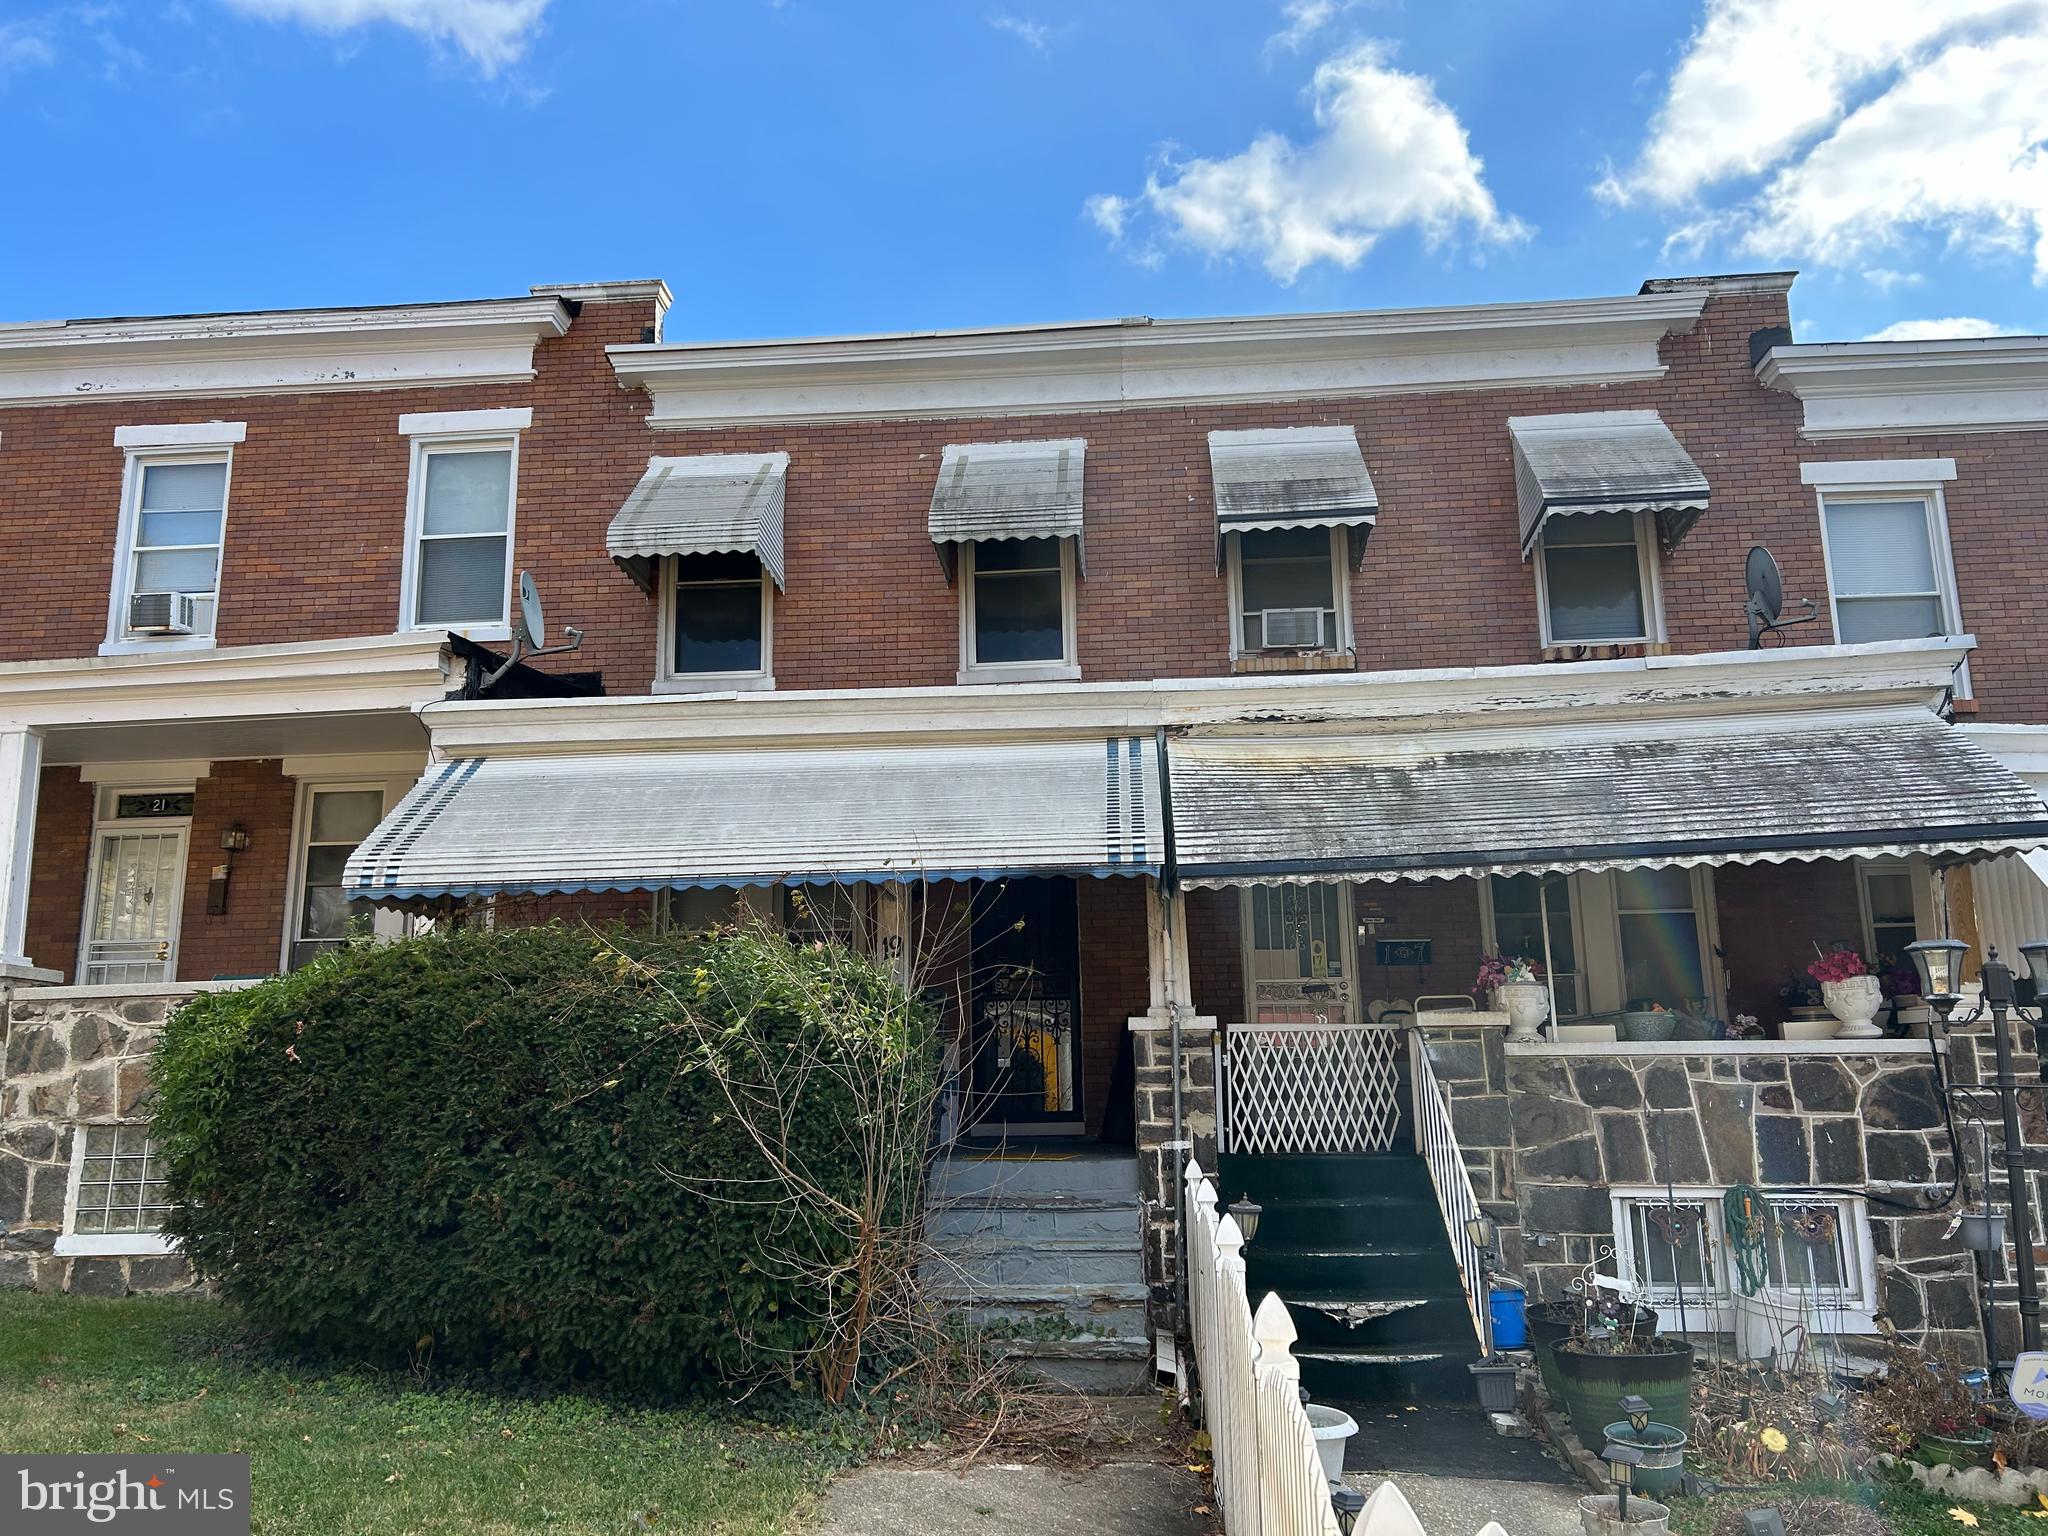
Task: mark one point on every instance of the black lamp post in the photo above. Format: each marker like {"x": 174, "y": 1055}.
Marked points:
{"x": 1940, "y": 964}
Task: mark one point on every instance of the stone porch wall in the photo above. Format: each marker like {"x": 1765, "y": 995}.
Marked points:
{"x": 1152, "y": 1056}
{"x": 73, "y": 1056}
{"x": 1548, "y": 1131}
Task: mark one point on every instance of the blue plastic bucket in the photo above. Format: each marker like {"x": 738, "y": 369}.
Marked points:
{"x": 1508, "y": 1306}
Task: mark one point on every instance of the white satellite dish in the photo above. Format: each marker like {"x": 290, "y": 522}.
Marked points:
{"x": 531, "y": 619}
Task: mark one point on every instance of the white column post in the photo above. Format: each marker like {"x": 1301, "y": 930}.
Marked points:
{"x": 1166, "y": 950}
{"x": 21, "y": 771}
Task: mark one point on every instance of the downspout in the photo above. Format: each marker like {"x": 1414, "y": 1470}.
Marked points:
{"x": 1168, "y": 895}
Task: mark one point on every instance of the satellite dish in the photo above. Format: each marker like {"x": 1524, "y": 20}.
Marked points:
{"x": 1760, "y": 575}
{"x": 1767, "y": 598}
{"x": 535, "y": 623}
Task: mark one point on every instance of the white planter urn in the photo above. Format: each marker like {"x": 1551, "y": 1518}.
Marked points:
{"x": 1527, "y": 1005}
{"x": 1856, "y": 1002}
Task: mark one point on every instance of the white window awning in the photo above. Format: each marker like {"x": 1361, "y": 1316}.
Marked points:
{"x": 1292, "y": 477}
{"x": 1626, "y": 795}
{"x": 709, "y": 504}
{"x": 1604, "y": 461}
{"x": 648, "y": 820}
{"x": 1029, "y": 490}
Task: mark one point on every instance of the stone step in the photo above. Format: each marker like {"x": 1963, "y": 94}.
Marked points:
{"x": 1093, "y": 1364}
{"x": 1116, "y": 1310}
{"x": 1112, "y": 1219}
{"x": 1064, "y": 1262}
{"x": 964, "y": 1174}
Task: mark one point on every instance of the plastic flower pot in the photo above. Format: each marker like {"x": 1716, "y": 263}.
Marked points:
{"x": 1982, "y": 1232}
{"x": 1550, "y": 1321}
{"x": 1496, "y": 1382}
{"x": 1964, "y": 1448}
{"x": 1644, "y": 1024}
{"x": 1333, "y": 1429}
{"x": 1663, "y": 1451}
{"x": 1595, "y": 1380}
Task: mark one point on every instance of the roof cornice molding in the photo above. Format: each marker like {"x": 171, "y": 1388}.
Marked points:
{"x": 315, "y": 677}
{"x": 1795, "y": 678}
{"x": 1098, "y": 365}
{"x": 276, "y": 352}
{"x": 1873, "y": 388}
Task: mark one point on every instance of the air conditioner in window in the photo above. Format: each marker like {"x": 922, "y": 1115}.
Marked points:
{"x": 1291, "y": 629}
{"x": 161, "y": 613}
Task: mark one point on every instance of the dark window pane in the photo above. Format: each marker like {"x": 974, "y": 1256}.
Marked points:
{"x": 1286, "y": 544}
{"x": 1017, "y": 617}
{"x": 730, "y": 565}
{"x": 1287, "y": 584}
{"x": 1595, "y": 593}
{"x": 1017, "y": 555}
{"x": 718, "y": 627}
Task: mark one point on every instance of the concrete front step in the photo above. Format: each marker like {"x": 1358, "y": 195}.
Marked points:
{"x": 1029, "y": 1221}
{"x": 1008, "y": 1176}
{"x": 1075, "y": 1263}
{"x": 1099, "y": 1365}
{"x": 1110, "y": 1310}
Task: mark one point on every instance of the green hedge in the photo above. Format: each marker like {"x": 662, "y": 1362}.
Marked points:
{"x": 486, "y": 1149}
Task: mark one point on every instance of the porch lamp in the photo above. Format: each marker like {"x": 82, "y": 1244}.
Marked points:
{"x": 1246, "y": 1213}
{"x": 2036, "y": 957}
{"x": 1940, "y": 964}
{"x": 1482, "y": 1232}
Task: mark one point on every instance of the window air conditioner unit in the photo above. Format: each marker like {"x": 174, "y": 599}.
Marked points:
{"x": 160, "y": 613}
{"x": 1291, "y": 629}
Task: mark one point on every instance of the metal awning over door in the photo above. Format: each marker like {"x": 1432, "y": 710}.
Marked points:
{"x": 647, "y": 820}
{"x": 1759, "y": 789}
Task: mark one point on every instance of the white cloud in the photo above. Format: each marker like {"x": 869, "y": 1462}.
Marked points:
{"x": 1035, "y": 35}
{"x": 1941, "y": 330}
{"x": 23, "y": 47}
{"x": 1884, "y": 279}
{"x": 1388, "y": 154}
{"x": 495, "y": 34}
{"x": 1836, "y": 128}
{"x": 1302, "y": 20}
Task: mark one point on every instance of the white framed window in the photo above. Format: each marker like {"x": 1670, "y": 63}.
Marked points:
{"x": 1662, "y": 936}
{"x": 1017, "y": 610}
{"x": 717, "y": 622}
{"x": 1288, "y": 591}
{"x": 1672, "y": 1248}
{"x": 330, "y": 821}
{"x": 168, "y": 554}
{"x": 117, "y": 1199}
{"x": 1889, "y": 576}
{"x": 1887, "y": 898}
{"x": 701, "y": 908}
{"x": 1597, "y": 580}
{"x": 460, "y": 506}
{"x": 839, "y": 914}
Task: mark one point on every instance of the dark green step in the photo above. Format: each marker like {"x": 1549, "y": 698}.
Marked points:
{"x": 1321, "y": 1321}
{"x": 1408, "y": 1373}
{"x": 1342, "y": 1220}
{"x": 1357, "y": 1270}
{"x": 1270, "y": 1178}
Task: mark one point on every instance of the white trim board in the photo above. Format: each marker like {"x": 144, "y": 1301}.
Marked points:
{"x": 1871, "y": 389}
{"x": 442, "y": 423}
{"x": 196, "y": 434}
{"x": 1853, "y": 474}
{"x": 1093, "y": 365}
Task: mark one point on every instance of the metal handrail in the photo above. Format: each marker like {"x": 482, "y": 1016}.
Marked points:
{"x": 1437, "y": 1141}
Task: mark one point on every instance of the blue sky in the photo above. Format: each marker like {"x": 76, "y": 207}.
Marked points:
{"x": 805, "y": 166}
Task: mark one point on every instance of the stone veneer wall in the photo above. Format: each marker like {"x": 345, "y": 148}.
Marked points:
{"x": 72, "y": 1058}
{"x": 1152, "y": 1056}
{"x": 1547, "y": 1133}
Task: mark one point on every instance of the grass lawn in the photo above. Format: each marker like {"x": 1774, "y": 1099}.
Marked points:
{"x": 1816, "y": 1510}
{"x": 349, "y": 1453}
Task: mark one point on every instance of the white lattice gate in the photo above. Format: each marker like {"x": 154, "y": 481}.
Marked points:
{"x": 1308, "y": 1087}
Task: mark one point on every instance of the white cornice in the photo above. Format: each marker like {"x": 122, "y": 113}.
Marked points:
{"x": 1873, "y": 388}
{"x": 1795, "y": 678}
{"x": 274, "y": 352}
{"x": 633, "y": 290}
{"x": 1097, "y": 365}
{"x": 315, "y": 677}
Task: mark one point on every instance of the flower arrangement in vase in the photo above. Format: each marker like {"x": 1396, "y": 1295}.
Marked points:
{"x": 1518, "y": 989}
{"x": 1850, "y": 992}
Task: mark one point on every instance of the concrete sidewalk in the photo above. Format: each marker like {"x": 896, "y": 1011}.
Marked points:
{"x": 994, "y": 1499}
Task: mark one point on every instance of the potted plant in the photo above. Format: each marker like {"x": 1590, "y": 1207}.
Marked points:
{"x": 1597, "y": 1373}
{"x": 1644, "y": 1021}
{"x": 1518, "y": 990}
{"x": 1850, "y": 992}
{"x": 1552, "y": 1321}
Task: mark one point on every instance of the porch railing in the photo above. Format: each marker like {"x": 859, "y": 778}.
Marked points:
{"x": 1314, "y": 1087}
{"x": 1269, "y": 1480}
{"x": 1437, "y": 1141}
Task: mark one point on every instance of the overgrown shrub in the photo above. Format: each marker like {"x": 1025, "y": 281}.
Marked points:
{"x": 556, "y": 1154}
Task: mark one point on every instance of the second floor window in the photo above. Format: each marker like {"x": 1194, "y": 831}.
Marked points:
{"x": 461, "y": 556}
{"x": 1594, "y": 576}
{"x": 1289, "y": 590}
{"x": 173, "y": 575}
{"x": 1887, "y": 569}
{"x": 1018, "y": 595}
{"x": 719, "y": 608}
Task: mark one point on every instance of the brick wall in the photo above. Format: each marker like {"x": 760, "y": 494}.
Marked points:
{"x": 1115, "y": 987}
{"x": 244, "y": 940}
{"x": 1772, "y": 916}
{"x": 56, "y": 891}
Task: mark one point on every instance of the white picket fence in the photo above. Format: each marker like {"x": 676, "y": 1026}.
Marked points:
{"x": 1269, "y": 1479}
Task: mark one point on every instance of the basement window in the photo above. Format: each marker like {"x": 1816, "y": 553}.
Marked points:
{"x": 1818, "y": 1265}
{"x": 118, "y": 1198}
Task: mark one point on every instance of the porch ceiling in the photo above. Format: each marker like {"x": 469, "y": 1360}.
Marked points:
{"x": 1801, "y": 786}
{"x": 273, "y": 736}
{"x": 647, "y": 820}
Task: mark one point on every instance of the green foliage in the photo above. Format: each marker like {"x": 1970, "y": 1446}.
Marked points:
{"x": 529, "y": 1151}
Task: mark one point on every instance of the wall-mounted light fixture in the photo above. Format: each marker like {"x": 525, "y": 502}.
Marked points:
{"x": 234, "y": 839}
